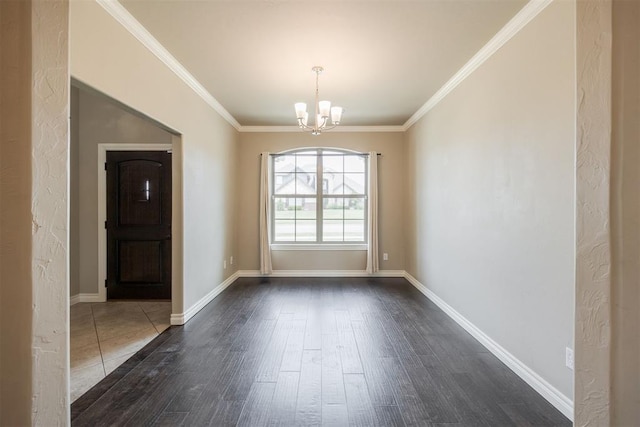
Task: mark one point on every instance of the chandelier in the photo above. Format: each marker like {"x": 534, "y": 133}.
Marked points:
{"x": 324, "y": 111}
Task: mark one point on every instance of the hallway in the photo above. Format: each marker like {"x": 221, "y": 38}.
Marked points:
{"x": 290, "y": 351}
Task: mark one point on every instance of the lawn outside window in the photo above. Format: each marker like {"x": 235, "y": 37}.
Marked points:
{"x": 319, "y": 199}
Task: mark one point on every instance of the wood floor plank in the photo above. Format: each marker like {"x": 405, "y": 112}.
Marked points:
{"x": 335, "y": 415}
{"x": 389, "y": 416}
{"x": 349, "y": 355}
{"x": 313, "y": 330}
{"x": 240, "y": 384}
{"x": 372, "y": 365}
{"x": 292, "y": 357}
{"x": 226, "y": 414}
{"x": 170, "y": 419}
{"x": 332, "y": 381}
{"x": 309, "y": 405}
{"x": 255, "y": 412}
{"x": 205, "y": 406}
{"x": 285, "y": 397}
{"x": 271, "y": 359}
{"x": 359, "y": 406}
{"x": 319, "y": 351}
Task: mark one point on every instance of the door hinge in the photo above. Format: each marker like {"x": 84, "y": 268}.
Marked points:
{"x": 105, "y": 283}
{"x": 105, "y": 165}
{"x": 105, "y": 224}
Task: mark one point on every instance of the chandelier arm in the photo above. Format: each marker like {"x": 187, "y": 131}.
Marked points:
{"x": 303, "y": 126}
{"x": 323, "y": 126}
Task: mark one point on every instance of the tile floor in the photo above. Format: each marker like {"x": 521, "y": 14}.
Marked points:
{"x": 105, "y": 335}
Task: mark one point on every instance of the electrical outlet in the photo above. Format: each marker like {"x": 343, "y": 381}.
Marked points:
{"x": 231, "y": 260}
{"x": 225, "y": 264}
{"x": 385, "y": 256}
{"x": 569, "y": 358}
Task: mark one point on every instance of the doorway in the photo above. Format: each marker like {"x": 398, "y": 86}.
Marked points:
{"x": 138, "y": 225}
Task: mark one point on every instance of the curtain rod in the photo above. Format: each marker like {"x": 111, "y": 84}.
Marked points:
{"x": 345, "y": 154}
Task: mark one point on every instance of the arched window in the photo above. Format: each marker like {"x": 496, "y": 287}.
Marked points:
{"x": 319, "y": 196}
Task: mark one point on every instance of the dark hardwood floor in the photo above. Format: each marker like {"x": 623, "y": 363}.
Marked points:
{"x": 286, "y": 352}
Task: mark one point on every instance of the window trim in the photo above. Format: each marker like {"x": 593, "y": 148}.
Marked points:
{"x": 319, "y": 244}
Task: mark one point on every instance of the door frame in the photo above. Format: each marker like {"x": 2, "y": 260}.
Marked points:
{"x": 176, "y": 228}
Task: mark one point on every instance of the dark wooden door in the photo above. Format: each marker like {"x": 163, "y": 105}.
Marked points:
{"x": 138, "y": 225}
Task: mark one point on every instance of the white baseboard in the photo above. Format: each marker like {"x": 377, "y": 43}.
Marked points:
{"x": 321, "y": 273}
{"x": 549, "y": 392}
{"x": 75, "y": 299}
{"x": 182, "y": 318}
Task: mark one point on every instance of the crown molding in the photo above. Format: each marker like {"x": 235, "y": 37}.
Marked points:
{"x": 337, "y": 129}
{"x": 131, "y": 24}
{"x": 517, "y": 23}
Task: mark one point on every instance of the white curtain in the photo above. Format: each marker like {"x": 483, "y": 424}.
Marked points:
{"x": 373, "y": 264}
{"x": 265, "y": 215}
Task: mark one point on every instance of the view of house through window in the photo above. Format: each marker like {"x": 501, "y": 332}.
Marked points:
{"x": 319, "y": 196}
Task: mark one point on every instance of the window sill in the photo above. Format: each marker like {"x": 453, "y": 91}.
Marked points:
{"x": 316, "y": 247}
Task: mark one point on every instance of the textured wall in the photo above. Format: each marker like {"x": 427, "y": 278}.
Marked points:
{"x": 15, "y": 213}
{"x": 625, "y": 215}
{"x": 390, "y": 187}
{"x": 491, "y": 200}
{"x": 74, "y": 184}
{"x": 593, "y": 249}
{"x": 49, "y": 210}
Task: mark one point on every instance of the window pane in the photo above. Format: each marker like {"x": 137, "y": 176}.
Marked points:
{"x": 332, "y": 163}
{"x": 305, "y": 208}
{"x": 332, "y": 230}
{"x": 353, "y": 183}
{"x": 354, "y": 163}
{"x": 305, "y": 231}
{"x": 284, "y": 183}
{"x": 333, "y": 183}
{"x": 354, "y": 208}
{"x": 308, "y": 164}
{"x": 332, "y": 208}
{"x": 354, "y": 230}
{"x": 284, "y": 208}
{"x": 305, "y": 183}
{"x": 284, "y": 231}
{"x": 284, "y": 164}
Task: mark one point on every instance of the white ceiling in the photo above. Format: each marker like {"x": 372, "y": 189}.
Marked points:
{"x": 383, "y": 59}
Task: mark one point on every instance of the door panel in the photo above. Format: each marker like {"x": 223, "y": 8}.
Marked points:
{"x": 138, "y": 179}
{"x": 138, "y": 225}
{"x": 140, "y": 261}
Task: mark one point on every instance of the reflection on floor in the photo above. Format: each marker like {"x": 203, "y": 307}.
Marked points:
{"x": 104, "y": 335}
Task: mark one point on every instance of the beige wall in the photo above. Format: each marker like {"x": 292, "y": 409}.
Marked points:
{"x": 625, "y": 215}
{"x": 15, "y": 212}
{"x": 491, "y": 196}
{"x": 391, "y": 199}
{"x": 105, "y": 56}
{"x": 100, "y": 121}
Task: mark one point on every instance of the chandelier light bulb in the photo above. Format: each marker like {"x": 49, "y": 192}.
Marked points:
{"x": 301, "y": 109}
{"x": 336, "y": 115}
{"x": 324, "y": 107}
